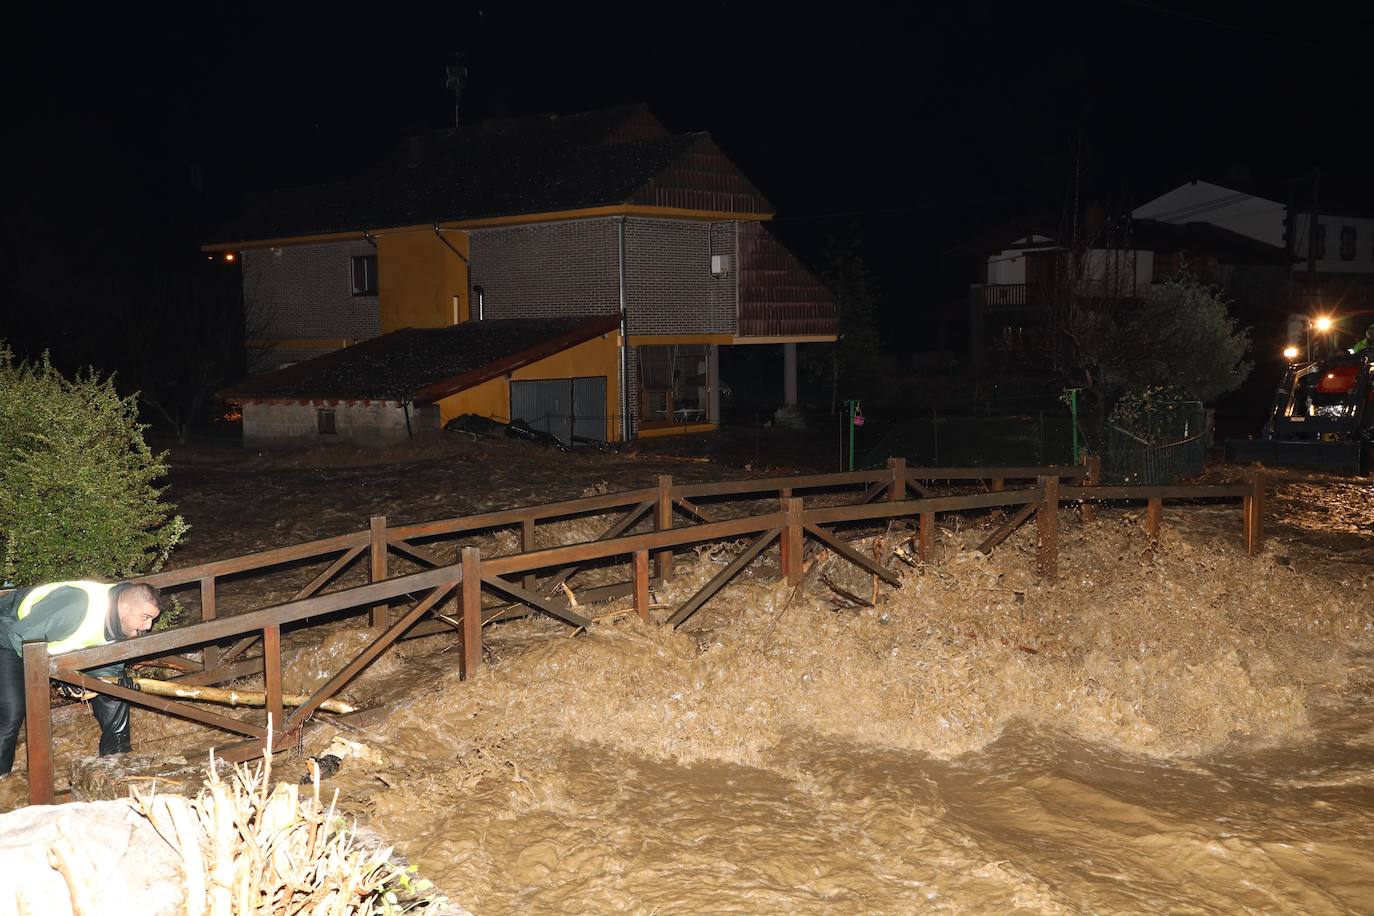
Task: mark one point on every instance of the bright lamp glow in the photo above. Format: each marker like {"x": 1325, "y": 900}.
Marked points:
{"x": 229, "y": 256}
{"x": 1323, "y": 323}
{"x": 1290, "y": 352}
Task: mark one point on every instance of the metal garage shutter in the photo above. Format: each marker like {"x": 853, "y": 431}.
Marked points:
{"x": 545, "y": 405}
{"x": 589, "y": 408}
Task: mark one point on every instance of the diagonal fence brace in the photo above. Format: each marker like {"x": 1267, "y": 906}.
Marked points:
{"x": 849, "y": 553}
{"x": 551, "y": 584}
{"x": 539, "y": 602}
{"x": 1007, "y": 527}
{"x": 694, "y": 603}
{"x": 161, "y": 704}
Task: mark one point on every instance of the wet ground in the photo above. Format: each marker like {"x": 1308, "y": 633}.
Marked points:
{"x": 1171, "y": 726}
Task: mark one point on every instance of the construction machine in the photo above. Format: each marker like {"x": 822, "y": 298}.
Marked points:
{"x": 1321, "y": 417}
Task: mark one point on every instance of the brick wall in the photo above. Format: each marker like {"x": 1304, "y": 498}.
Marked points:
{"x": 307, "y": 292}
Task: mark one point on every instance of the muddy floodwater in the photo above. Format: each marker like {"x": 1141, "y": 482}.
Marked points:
{"x": 1169, "y": 726}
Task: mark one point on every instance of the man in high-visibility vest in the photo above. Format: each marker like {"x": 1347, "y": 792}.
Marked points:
{"x": 70, "y": 616}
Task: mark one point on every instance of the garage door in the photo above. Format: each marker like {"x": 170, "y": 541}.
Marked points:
{"x": 565, "y": 408}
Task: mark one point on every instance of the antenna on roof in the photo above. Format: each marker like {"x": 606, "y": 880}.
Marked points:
{"x": 457, "y": 73}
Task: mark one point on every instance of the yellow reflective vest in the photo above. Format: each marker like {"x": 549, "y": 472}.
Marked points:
{"x": 91, "y": 631}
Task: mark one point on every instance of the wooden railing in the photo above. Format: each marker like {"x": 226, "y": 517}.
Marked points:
{"x": 223, "y": 641}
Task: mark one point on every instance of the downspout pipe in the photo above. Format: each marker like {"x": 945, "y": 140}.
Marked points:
{"x": 626, "y": 424}
{"x": 439, "y": 233}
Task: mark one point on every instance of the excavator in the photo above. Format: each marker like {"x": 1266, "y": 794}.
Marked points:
{"x": 1321, "y": 416}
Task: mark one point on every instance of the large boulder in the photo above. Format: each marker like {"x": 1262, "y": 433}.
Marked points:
{"x": 103, "y": 855}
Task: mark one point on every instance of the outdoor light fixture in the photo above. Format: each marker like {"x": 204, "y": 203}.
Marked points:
{"x": 1290, "y": 352}
{"x": 1322, "y": 323}
{"x": 229, "y": 256}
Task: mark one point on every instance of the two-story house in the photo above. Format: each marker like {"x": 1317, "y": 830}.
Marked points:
{"x": 546, "y": 225}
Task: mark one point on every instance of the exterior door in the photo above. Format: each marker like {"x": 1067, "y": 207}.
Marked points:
{"x": 544, "y": 405}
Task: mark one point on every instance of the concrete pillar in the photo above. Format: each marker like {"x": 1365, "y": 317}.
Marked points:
{"x": 713, "y": 383}
{"x": 789, "y": 374}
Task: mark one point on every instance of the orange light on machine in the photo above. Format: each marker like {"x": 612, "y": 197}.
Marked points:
{"x": 1290, "y": 352}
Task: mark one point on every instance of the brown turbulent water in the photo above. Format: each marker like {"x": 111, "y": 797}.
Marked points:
{"x": 1172, "y": 726}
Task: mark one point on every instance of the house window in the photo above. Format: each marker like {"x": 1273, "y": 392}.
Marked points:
{"x": 324, "y": 420}
{"x": 365, "y": 275}
{"x": 1347, "y": 243}
{"x": 1321, "y": 241}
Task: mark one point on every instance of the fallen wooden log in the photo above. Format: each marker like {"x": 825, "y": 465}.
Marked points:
{"x": 230, "y": 696}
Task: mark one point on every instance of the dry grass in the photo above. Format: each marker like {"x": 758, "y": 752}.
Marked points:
{"x": 250, "y": 847}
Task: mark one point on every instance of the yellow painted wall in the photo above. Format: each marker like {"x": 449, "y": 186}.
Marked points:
{"x": 599, "y": 356}
{"x": 418, "y": 276}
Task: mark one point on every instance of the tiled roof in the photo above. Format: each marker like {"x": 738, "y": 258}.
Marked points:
{"x": 514, "y": 166}
{"x": 422, "y": 364}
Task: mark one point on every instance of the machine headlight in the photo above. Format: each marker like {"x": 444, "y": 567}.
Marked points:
{"x": 1290, "y": 352}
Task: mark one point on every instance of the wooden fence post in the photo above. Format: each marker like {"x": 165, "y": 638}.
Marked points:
{"x": 1154, "y": 510}
{"x": 997, "y": 485}
{"x": 1254, "y": 515}
{"x": 896, "y": 491}
{"x": 472, "y": 612}
{"x": 271, "y": 675}
{"x": 925, "y": 539}
{"x": 791, "y": 546}
{"x": 641, "y": 563}
{"x": 663, "y": 521}
{"x": 526, "y": 545}
{"x": 1047, "y": 525}
{"x": 1092, "y": 477}
{"x": 38, "y": 712}
{"x": 376, "y": 615}
{"x": 209, "y": 656}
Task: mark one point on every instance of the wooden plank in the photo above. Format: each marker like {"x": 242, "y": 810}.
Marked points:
{"x": 1047, "y": 523}
{"x": 1154, "y": 510}
{"x": 773, "y": 484}
{"x": 264, "y": 559}
{"x": 472, "y": 612}
{"x": 271, "y": 655}
{"x": 1017, "y": 473}
{"x": 791, "y": 545}
{"x": 691, "y": 508}
{"x": 663, "y": 521}
{"x": 915, "y": 506}
{"x": 1254, "y": 515}
{"x": 368, "y": 655}
{"x": 167, "y": 641}
{"x": 1172, "y": 491}
{"x": 222, "y": 673}
{"x": 718, "y": 581}
{"x": 38, "y": 713}
{"x": 376, "y": 615}
{"x": 553, "y": 609}
{"x": 873, "y": 492}
{"x": 1006, "y": 528}
{"x": 585, "y": 505}
{"x": 641, "y": 584}
{"x": 853, "y": 556}
{"x": 913, "y": 484}
{"x": 417, "y": 553}
{"x": 333, "y": 570}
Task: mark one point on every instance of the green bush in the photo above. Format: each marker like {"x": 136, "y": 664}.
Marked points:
{"x": 77, "y": 498}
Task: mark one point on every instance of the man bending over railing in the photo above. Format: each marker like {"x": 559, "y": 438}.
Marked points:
{"x": 70, "y": 616}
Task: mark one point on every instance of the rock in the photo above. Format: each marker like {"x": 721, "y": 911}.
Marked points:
{"x": 97, "y": 778}
{"x": 117, "y": 861}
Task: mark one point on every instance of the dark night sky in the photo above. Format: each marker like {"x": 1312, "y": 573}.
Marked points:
{"x": 924, "y": 126}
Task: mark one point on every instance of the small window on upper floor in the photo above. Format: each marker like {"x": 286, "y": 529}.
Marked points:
{"x": 365, "y": 275}
{"x": 1321, "y": 241}
{"x": 1347, "y": 243}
